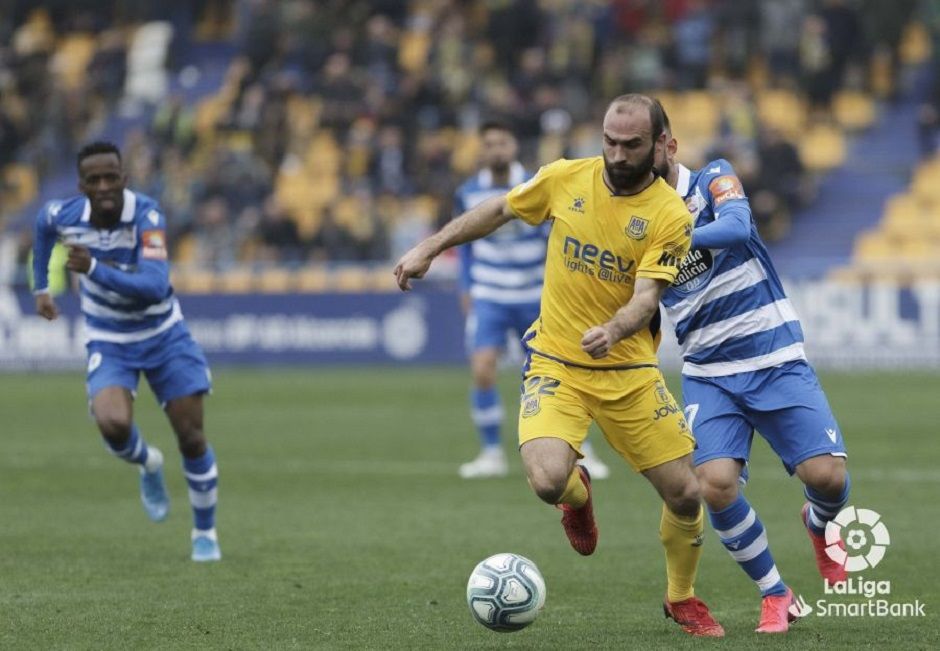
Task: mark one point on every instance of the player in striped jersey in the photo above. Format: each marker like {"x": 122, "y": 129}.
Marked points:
{"x": 133, "y": 324}
{"x": 745, "y": 369}
{"x": 500, "y": 291}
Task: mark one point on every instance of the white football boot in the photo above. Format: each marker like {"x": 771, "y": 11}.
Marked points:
{"x": 592, "y": 463}
{"x": 491, "y": 462}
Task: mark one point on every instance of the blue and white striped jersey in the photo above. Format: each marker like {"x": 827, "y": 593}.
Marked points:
{"x": 507, "y": 266}
{"x": 727, "y": 304}
{"x": 126, "y": 297}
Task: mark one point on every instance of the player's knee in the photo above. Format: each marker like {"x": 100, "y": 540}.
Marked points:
{"x": 191, "y": 442}
{"x": 719, "y": 492}
{"x": 114, "y": 425}
{"x": 685, "y": 499}
{"x": 484, "y": 374}
{"x": 549, "y": 486}
{"x": 828, "y": 476}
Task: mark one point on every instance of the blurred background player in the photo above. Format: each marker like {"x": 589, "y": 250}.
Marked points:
{"x": 501, "y": 288}
{"x": 618, "y": 236}
{"x": 133, "y": 323}
{"x": 745, "y": 369}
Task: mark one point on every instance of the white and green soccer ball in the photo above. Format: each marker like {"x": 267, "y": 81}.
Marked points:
{"x": 505, "y": 592}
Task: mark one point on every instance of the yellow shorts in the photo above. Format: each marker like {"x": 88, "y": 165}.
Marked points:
{"x": 638, "y": 416}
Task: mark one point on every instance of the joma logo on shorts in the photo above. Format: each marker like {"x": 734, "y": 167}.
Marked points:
{"x": 665, "y": 411}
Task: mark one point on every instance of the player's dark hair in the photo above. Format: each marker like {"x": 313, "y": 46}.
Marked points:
{"x": 658, "y": 119}
{"x": 667, "y": 126}
{"x": 495, "y": 125}
{"x": 98, "y": 147}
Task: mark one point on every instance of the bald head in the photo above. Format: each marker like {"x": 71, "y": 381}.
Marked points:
{"x": 633, "y": 129}
{"x": 635, "y": 106}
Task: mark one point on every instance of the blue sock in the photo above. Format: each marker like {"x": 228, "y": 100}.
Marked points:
{"x": 134, "y": 449}
{"x": 742, "y": 534}
{"x": 202, "y": 477}
{"x": 823, "y": 508}
{"x": 487, "y": 415}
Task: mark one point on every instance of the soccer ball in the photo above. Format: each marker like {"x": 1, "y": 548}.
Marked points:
{"x": 505, "y": 592}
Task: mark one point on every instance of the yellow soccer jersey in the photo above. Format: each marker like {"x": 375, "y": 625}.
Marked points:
{"x": 599, "y": 244}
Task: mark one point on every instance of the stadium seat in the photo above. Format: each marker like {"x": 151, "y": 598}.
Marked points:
{"x": 853, "y": 110}
{"x": 71, "y": 59}
{"x": 915, "y": 44}
{"x": 313, "y": 280}
{"x": 238, "y": 281}
{"x": 20, "y": 184}
{"x": 466, "y": 153}
{"x": 351, "y": 279}
{"x": 782, "y": 110}
{"x": 191, "y": 280}
{"x": 275, "y": 281}
{"x": 383, "y": 280}
{"x": 822, "y": 148}
{"x": 185, "y": 250}
{"x": 873, "y": 246}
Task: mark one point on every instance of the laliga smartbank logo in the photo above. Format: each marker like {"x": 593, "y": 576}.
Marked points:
{"x": 865, "y": 542}
{"x": 857, "y": 539}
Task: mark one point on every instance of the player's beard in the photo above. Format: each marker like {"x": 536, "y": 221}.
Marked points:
{"x": 499, "y": 167}
{"x": 624, "y": 176}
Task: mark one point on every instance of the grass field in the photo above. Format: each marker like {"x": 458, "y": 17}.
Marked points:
{"x": 343, "y": 525}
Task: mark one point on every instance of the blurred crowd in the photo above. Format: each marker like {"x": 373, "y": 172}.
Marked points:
{"x": 343, "y": 126}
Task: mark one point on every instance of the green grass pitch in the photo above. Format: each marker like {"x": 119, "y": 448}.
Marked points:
{"x": 343, "y": 524}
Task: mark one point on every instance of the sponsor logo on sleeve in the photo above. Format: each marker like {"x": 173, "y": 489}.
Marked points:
{"x": 153, "y": 245}
{"x": 725, "y": 188}
{"x": 672, "y": 255}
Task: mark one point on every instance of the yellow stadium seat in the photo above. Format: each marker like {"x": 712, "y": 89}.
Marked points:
{"x": 238, "y": 281}
{"x": 275, "y": 281}
{"x": 822, "y": 148}
{"x": 915, "y": 44}
{"x": 383, "y": 280}
{"x": 351, "y": 279}
{"x": 312, "y": 280}
{"x": 783, "y": 110}
{"x": 853, "y": 110}
{"x": 22, "y": 184}
{"x": 72, "y": 57}
{"x": 920, "y": 248}
{"x": 189, "y": 280}
{"x": 466, "y": 153}
{"x": 185, "y": 249}
{"x": 873, "y": 246}
{"x": 698, "y": 114}
{"x": 413, "y": 50}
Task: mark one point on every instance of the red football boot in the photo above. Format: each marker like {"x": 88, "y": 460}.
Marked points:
{"x": 693, "y": 616}
{"x": 828, "y": 568}
{"x": 775, "y": 615}
{"x": 579, "y": 523}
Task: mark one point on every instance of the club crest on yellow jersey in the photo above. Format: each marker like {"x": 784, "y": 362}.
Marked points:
{"x": 637, "y": 227}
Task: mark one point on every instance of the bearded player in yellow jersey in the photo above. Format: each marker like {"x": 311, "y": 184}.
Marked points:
{"x": 618, "y": 235}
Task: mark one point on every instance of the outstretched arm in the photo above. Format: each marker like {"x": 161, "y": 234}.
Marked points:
{"x": 44, "y": 238}
{"x": 628, "y": 320}
{"x": 734, "y": 227}
{"x": 148, "y": 283}
{"x": 472, "y": 225}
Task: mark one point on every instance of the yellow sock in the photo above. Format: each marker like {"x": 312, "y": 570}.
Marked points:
{"x": 682, "y": 537}
{"x": 576, "y": 493}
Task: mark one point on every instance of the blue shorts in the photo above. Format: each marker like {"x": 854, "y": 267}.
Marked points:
{"x": 784, "y": 403}
{"x": 488, "y": 323}
{"x": 172, "y": 362}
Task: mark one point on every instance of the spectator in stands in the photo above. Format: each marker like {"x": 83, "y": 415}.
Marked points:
{"x": 780, "y": 37}
{"x": 277, "y": 234}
